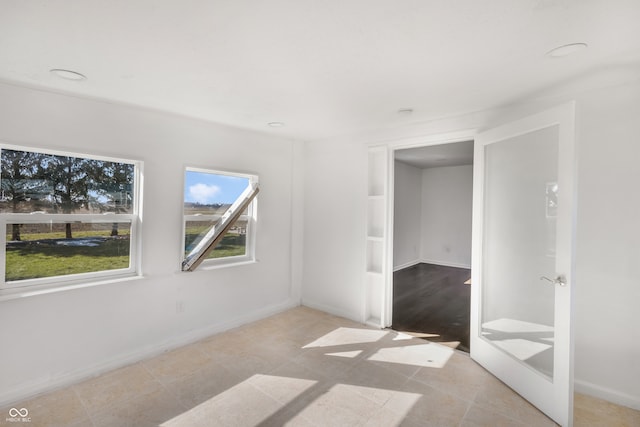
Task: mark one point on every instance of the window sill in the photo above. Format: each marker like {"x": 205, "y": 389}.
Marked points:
{"x": 216, "y": 266}
{"x": 31, "y": 291}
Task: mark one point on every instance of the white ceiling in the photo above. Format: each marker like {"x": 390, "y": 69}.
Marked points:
{"x": 323, "y": 68}
{"x": 435, "y": 156}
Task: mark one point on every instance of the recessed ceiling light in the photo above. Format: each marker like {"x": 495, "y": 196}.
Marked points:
{"x": 276, "y": 124}
{"x": 67, "y": 74}
{"x": 566, "y": 50}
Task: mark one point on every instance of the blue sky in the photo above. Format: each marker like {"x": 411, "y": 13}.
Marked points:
{"x": 208, "y": 188}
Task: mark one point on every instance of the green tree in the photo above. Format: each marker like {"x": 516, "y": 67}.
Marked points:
{"x": 18, "y": 170}
{"x": 65, "y": 184}
{"x": 70, "y": 182}
{"x": 111, "y": 187}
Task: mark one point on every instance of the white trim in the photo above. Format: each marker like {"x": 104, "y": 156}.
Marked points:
{"x": 427, "y": 140}
{"x": 235, "y": 261}
{"x": 331, "y": 310}
{"x": 252, "y": 177}
{"x": 607, "y": 394}
{"x": 55, "y": 381}
{"x": 42, "y": 150}
{"x": 430, "y": 261}
{"x": 32, "y": 291}
{"x": 386, "y": 311}
{"x": 446, "y": 263}
{"x": 398, "y": 144}
{"x": 374, "y": 322}
{"x": 406, "y": 265}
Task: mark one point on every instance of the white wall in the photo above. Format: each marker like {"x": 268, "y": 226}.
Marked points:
{"x": 432, "y": 215}
{"x": 335, "y": 208}
{"x": 447, "y": 195}
{"x": 407, "y": 215}
{"x": 49, "y": 340}
{"x": 608, "y": 235}
{"x": 608, "y": 244}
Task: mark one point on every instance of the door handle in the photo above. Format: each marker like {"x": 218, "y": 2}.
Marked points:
{"x": 560, "y": 280}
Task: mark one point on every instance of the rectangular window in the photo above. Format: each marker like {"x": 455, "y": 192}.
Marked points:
{"x": 219, "y": 217}
{"x": 66, "y": 217}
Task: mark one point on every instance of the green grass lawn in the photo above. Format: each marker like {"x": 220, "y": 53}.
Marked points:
{"x": 44, "y": 258}
{"x": 25, "y": 237}
{"x": 232, "y": 244}
{"x": 41, "y": 255}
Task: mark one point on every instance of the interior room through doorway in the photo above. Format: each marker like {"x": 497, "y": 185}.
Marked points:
{"x": 433, "y": 193}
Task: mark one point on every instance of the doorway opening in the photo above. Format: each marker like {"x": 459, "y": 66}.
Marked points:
{"x": 432, "y": 203}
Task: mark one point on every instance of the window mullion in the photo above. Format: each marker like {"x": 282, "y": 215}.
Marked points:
{"x": 12, "y": 218}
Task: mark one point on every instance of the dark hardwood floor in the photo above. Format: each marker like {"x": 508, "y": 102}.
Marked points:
{"x": 433, "y": 300}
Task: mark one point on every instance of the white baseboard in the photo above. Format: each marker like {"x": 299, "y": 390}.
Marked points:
{"x": 49, "y": 383}
{"x": 331, "y": 310}
{"x": 607, "y": 394}
{"x": 406, "y": 265}
{"x": 446, "y": 263}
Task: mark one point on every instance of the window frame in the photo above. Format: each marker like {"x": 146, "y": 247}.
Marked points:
{"x": 134, "y": 219}
{"x": 250, "y": 217}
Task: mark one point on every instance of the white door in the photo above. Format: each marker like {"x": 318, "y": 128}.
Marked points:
{"x": 523, "y": 257}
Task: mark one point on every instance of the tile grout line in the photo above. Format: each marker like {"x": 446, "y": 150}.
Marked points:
{"x": 157, "y": 380}
{"x": 84, "y": 407}
{"x": 466, "y": 412}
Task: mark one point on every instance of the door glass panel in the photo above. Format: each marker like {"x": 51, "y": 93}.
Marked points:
{"x": 520, "y": 185}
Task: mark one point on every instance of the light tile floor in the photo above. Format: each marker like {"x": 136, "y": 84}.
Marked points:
{"x": 302, "y": 368}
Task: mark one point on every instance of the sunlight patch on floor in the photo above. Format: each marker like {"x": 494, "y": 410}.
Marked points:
{"x": 426, "y": 355}
{"x": 345, "y": 404}
{"x": 346, "y": 336}
{"x": 347, "y": 354}
{"x": 450, "y": 344}
{"x": 407, "y": 335}
{"x": 247, "y": 403}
